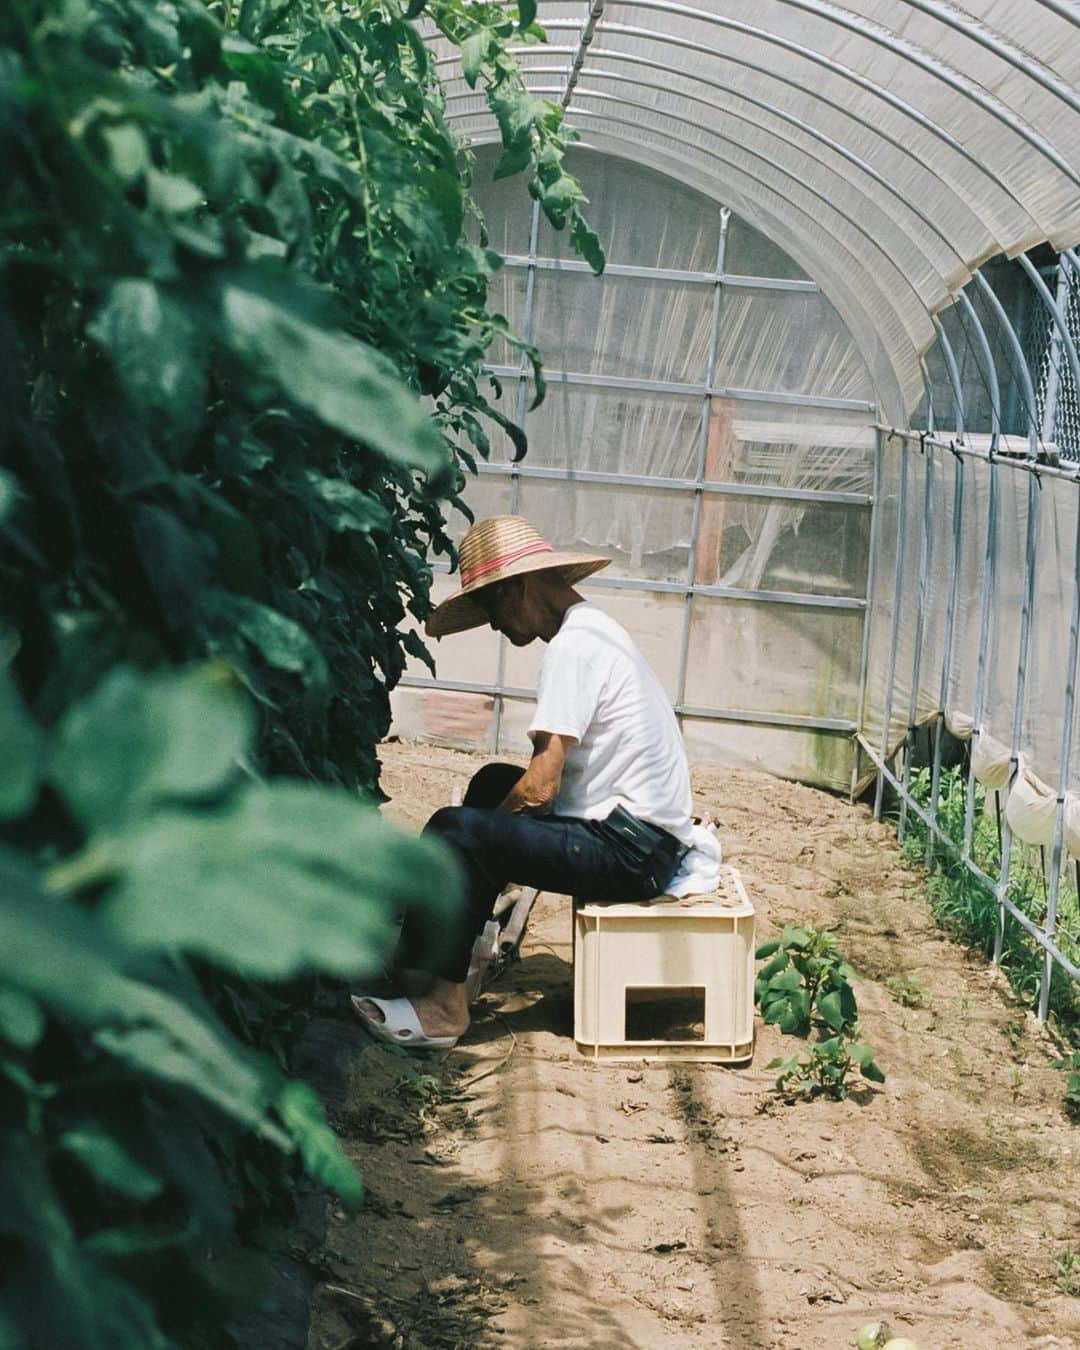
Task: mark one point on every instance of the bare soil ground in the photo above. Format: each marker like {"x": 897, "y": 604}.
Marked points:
{"x": 521, "y": 1196}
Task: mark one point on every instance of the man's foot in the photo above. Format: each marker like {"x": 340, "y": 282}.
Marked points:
{"x": 442, "y": 1011}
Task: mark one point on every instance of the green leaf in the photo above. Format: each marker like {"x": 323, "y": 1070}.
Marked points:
{"x": 22, "y": 1022}
{"x": 526, "y": 13}
{"x": 514, "y": 159}
{"x": 171, "y": 194}
{"x": 51, "y": 951}
{"x": 767, "y": 949}
{"x": 287, "y": 878}
{"x": 157, "y": 351}
{"x": 348, "y": 508}
{"x": 787, "y": 980}
{"x": 319, "y": 1147}
{"x": 137, "y": 742}
{"x": 22, "y": 742}
{"x": 110, "y": 1164}
{"x": 586, "y": 243}
{"x": 279, "y": 640}
{"x": 414, "y": 645}
{"x": 128, "y": 153}
{"x": 473, "y": 54}
{"x": 343, "y": 382}
{"x": 9, "y": 494}
{"x": 829, "y": 1006}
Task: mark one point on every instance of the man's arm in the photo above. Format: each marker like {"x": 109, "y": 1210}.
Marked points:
{"x": 535, "y": 791}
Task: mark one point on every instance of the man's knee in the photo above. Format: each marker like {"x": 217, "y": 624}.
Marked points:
{"x": 489, "y": 786}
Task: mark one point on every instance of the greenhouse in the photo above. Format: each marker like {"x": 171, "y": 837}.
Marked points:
{"x": 349, "y": 347}
{"x": 823, "y": 409}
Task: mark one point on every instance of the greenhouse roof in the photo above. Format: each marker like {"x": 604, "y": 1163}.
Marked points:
{"x": 890, "y": 146}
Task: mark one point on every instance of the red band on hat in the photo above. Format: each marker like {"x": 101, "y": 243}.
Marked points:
{"x": 504, "y": 560}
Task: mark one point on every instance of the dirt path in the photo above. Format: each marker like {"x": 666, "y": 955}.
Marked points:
{"x": 550, "y": 1202}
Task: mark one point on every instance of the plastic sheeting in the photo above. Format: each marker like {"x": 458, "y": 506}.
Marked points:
{"x": 984, "y": 703}
{"x": 631, "y": 394}
{"x": 889, "y": 148}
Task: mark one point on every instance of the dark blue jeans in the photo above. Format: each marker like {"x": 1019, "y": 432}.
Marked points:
{"x": 552, "y": 853}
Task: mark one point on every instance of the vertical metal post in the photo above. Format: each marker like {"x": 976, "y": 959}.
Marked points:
{"x": 1053, "y": 374}
{"x": 868, "y": 612}
{"x": 1034, "y": 492}
{"x": 898, "y": 589}
{"x": 1018, "y": 703}
{"x": 515, "y": 477}
{"x": 1064, "y": 767}
{"x": 954, "y": 584}
{"x": 920, "y": 626}
{"x": 699, "y": 473}
{"x": 990, "y": 562}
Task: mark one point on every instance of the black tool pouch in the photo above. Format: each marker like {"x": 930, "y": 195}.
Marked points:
{"x": 644, "y": 848}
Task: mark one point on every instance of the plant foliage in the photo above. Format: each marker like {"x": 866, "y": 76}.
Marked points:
{"x": 806, "y": 982}
{"x": 243, "y": 307}
{"x": 131, "y": 1118}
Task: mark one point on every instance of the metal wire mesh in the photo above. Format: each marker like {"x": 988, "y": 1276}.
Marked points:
{"x": 1056, "y": 395}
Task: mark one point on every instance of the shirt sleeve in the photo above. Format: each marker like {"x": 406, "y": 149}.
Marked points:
{"x": 568, "y": 691}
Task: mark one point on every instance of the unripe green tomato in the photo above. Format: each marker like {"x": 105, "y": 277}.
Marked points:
{"x": 873, "y": 1336}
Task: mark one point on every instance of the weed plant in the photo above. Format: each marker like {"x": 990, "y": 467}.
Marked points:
{"x": 968, "y": 909}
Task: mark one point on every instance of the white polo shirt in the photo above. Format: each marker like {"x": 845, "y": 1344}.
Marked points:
{"x": 597, "y": 687}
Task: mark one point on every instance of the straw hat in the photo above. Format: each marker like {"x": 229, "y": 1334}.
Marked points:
{"x": 497, "y": 548}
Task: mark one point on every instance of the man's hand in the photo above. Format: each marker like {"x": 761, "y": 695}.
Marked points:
{"x": 535, "y": 791}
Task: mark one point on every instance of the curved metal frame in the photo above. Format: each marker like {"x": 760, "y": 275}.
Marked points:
{"x": 812, "y": 132}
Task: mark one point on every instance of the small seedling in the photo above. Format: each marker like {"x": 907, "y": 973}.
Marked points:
{"x": 806, "y": 981}
{"x": 1067, "y": 1273}
{"x": 908, "y": 990}
{"x": 826, "y": 1069}
{"x": 1071, "y": 1065}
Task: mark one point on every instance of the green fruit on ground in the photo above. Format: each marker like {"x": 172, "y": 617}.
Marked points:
{"x": 873, "y": 1336}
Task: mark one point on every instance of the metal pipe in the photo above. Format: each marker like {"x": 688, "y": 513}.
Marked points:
{"x": 693, "y": 390}
{"x": 868, "y": 618}
{"x": 990, "y": 562}
{"x": 846, "y": 73}
{"x": 515, "y": 478}
{"x": 855, "y": 218}
{"x": 1064, "y": 767}
{"x": 932, "y": 66}
{"x": 809, "y": 600}
{"x": 954, "y": 579}
{"x": 763, "y": 105}
{"x": 518, "y": 260}
{"x": 778, "y": 494}
{"x": 925, "y": 550}
{"x": 1021, "y": 360}
{"x": 1058, "y": 311}
{"x": 1069, "y": 473}
{"x": 1029, "y": 592}
{"x": 699, "y": 477}
{"x": 894, "y": 641}
{"x": 836, "y": 726}
{"x": 1034, "y": 495}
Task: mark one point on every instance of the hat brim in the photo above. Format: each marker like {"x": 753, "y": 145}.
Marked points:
{"x": 460, "y": 612}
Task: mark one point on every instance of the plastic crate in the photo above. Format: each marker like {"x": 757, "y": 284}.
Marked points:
{"x": 698, "y": 951}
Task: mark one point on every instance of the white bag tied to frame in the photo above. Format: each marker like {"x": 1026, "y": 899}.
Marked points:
{"x": 1032, "y": 810}
{"x": 959, "y": 724}
{"x": 990, "y": 761}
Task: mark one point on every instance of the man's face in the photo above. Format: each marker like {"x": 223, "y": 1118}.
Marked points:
{"x": 509, "y": 609}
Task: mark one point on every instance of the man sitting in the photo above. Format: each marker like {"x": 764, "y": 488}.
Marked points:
{"x": 603, "y": 808}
